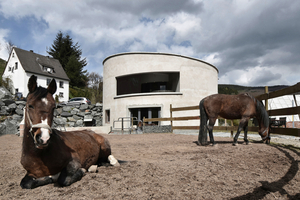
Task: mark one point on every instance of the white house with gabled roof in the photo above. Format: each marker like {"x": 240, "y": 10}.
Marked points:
{"x": 22, "y": 64}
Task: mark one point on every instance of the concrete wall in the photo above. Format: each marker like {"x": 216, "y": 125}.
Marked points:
{"x": 198, "y": 79}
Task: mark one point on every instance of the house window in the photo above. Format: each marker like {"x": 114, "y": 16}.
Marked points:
{"x": 61, "y": 94}
{"x": 16, "y": 65}
{"x": 61, "y": 84}
{"x": 13, "y": 55}
{"x": 107, "y": 116}
{"x": 48, "y": 81}
{"x": 9, "y": 69}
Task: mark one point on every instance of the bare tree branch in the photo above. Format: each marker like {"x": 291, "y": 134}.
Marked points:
{"x": 9, "y": 46}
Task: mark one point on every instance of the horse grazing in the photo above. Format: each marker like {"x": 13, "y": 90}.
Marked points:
{"x": 49, "y": 155}
{"x": 242, "y": 106}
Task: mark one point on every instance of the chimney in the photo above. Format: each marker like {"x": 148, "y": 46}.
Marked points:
{"x": 31, "y": 51}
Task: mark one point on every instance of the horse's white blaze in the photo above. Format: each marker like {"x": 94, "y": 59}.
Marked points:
{"x": 45, "y": 100}
{"x": 45, "y": 132}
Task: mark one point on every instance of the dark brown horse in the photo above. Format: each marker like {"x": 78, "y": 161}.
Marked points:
{"x": 49, "y": 155}
{"x": 242, "y": 106}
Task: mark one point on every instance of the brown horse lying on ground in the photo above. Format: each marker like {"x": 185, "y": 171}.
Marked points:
{"x": 242, "y": 106}
{"x": 49, "y": 155}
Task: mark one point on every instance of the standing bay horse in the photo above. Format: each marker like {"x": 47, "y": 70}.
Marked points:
{"x": 49, "y": 155}
{"x": 242, "y": 106}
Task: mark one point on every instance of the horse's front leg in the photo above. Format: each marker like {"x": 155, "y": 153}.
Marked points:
{"x": 241, "y": 127}
{"x": 29, "y": 182}
{"x": 245, "y": 133}
{"x": 71, "y": 173}
{"x": 210, "y": 128}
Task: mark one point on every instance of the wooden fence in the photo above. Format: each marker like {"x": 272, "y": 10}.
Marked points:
{"x": 284, "y": 111}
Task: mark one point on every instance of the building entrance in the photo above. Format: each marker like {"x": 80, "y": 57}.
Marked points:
{"x": 140, "y": 113}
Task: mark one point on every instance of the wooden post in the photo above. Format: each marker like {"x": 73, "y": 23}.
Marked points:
{"x": 266, "y": 100}
{"x": 122, "y": 125}
{"x": 231, "y": 132}
{"x": 296, "y": 104}
{"x": 171, "y": 116}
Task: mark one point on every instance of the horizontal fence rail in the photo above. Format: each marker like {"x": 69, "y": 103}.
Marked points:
{"x": 277, "y": 112}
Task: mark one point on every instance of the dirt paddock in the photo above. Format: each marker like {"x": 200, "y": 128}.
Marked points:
{"x": 169, "y": 166}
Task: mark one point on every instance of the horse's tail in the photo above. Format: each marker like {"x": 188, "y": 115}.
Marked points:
{"x": 202, "y": 137}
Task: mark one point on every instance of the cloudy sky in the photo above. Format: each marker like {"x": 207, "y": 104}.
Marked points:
{"x": 251, "y": 42}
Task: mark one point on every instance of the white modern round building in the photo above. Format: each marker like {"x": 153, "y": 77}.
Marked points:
{"x": 145, "y": 84}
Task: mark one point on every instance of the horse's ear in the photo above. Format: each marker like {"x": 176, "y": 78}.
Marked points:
{"x": 32, "y": 85}
{"x": 52, "y": 87}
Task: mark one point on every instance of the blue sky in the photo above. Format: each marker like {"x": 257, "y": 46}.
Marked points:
{"x": 251, "y": 42}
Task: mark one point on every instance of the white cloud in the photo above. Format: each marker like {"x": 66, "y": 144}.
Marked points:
{"x": 185, "y": 26}
{"x": 257, "y": 76}
{"x": 241, "y": 38}
{"x": 212, "y": 59}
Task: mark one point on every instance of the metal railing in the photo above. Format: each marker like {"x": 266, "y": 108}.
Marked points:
{"x": 126, "y": 124}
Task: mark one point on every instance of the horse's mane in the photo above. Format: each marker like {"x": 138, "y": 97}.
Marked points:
{"x": 40, "y": 92}
{"x": 261, "y": 113}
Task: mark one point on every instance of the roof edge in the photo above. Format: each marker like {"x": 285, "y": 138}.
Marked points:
{"x": 158, "y": 53}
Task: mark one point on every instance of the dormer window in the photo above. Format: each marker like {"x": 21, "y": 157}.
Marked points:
{"x": 48, "y": 69}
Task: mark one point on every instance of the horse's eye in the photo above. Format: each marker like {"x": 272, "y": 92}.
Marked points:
{"x": 31, "y": 107}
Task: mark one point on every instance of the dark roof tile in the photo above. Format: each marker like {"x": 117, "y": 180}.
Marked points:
{"x": 33, "y": 62}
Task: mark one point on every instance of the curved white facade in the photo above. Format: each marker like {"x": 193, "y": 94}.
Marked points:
{"x": 136, "y": 82}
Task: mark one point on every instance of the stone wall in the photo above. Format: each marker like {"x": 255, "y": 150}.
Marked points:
{"x": 158, "y": 129}
{"x": 11, "y": 114}
{"x": 78, "y": 116}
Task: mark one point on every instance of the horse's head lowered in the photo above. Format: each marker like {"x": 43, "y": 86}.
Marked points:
{"x": 39, "y": 111}
{"x": 263, "y": 118}
{"x": 265, "y": 134}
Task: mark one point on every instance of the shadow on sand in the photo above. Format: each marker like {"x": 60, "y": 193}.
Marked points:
{"x": 276, "y": 186}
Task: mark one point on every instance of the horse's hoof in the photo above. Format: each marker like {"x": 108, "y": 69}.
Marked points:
{"x": 113, "y": 161}
{"x": 93, "y": 169}
{"x": 83, "y": 170}
{"x": 234, "y": 144}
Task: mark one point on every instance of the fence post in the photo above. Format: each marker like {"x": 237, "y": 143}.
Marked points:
{"x": 231, "y": 132}
{"x": 266, "y": 100}
{"x": 171, "y": 116}
{"x": 295, "y": 100}
{"x": 122, "y": 125}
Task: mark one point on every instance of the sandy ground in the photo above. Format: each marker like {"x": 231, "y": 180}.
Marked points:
{"x": 169, "y": 166}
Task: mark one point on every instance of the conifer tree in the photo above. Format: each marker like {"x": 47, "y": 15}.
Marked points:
{"x": 69, "y": 56}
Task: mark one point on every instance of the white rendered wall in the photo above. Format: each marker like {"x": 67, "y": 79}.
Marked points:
{"x": 18, "y": 76}
{"x": 197, "y": 80}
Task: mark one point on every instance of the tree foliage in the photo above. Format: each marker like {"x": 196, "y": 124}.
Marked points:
{"x": 96, "y": 87}
{"x": 226, "y": 90}
{"x": 69, "y": 56}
